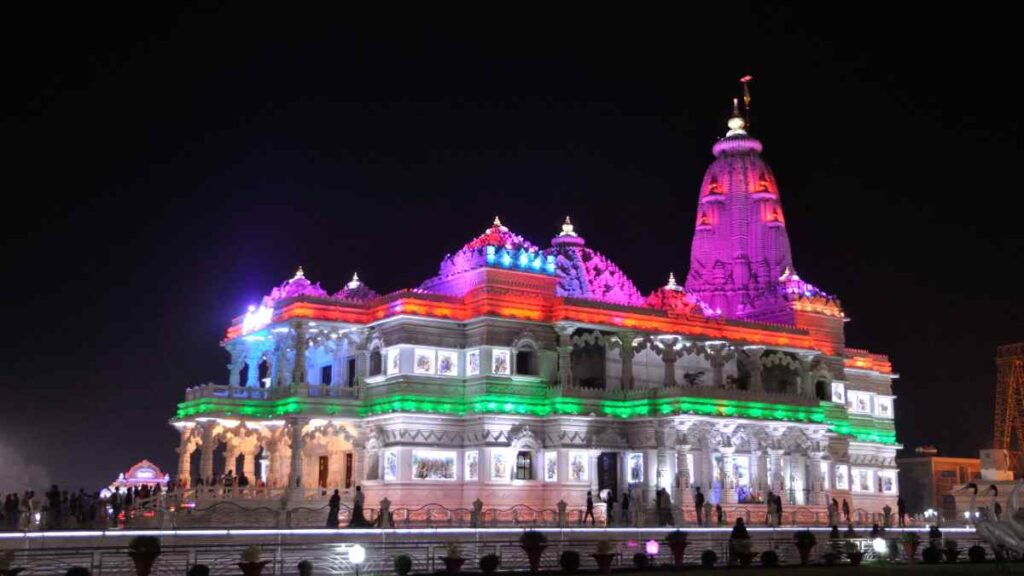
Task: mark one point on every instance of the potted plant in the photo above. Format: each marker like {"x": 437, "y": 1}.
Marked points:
{"x": 931, "y": 554}
{"x": 198, "y": 570}
{"x": 976, "y": 554}
{"x": 305, "y": 568}
{"x": 251, "y": 565}
{"x": 569, "y": 561}
{"x": 742, "y": 550}
{"x": 769, "y": 559}
{"x": 910, "y": 542}
{"x": 533, "y": 543}
{"x": 708, "y": 558}
{"x": 805, "y": 542}
{"x": 489, "y": 563}
{"x": 640, "y": 561}
{"x": 6, "y": 559}
{"x": 677, "y": 543}
{"x": 853, "y": 553}
{"x": 144, "y": 551}
{"x": 403, "y": 564}
{"x": 950, "y": 550}
{"x": 604, "y": 556}
{"x": 453, "y": 559}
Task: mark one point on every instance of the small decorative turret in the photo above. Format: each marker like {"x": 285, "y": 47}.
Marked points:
{"x": 736, "y": 124}
{"x": 568, "y": 236}
{"x": 497, "y": 224}
{"x": 672, "y": 282}
{"x": 354, "y": 283}
{"x": 299, "y": 274}
{"x": 567, "y": 228}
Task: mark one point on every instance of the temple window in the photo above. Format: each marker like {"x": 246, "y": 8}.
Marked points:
{"x": 526, "y": 362}
{"x": 376, "y": 363}
{"x": 524, "y": 465}
{"x": 325, "y": 374}
{"x": 351, "y": 372}
{"x": 822, "y": 389}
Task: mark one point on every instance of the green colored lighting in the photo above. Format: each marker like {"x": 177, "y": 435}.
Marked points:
{"x": 860, "y": 428}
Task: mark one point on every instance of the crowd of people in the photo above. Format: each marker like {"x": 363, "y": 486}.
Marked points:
{"x": 62, "y": 509}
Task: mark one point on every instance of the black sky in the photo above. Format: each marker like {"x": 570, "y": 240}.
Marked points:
{"x": 162, "y": 170}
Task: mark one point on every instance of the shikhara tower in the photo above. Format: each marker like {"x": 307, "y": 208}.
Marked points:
{"x": 524, "y": 374}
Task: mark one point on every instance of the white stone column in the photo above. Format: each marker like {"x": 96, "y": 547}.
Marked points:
{"x": 778, "y": 479}
{"x": 185, "y": 457}
{"x": 594, "y": 485}
{"x": 249, "y": 464}
{"x": 816, "y": 494}
{"x": 295, "y": 479}
{"x": 762, "y": 471}
{"x": 754, "y": 366}
{"x": 206, "y": 453}
{"x": 728, "y": 482}
{"x": 717, "y": 356}
{"x": 626, "y": 354}
{"x": 253, "y": 355}
{"x": 301, "y": 345}
{"x": 668, "y": 358}
{"x": 565, "y": 331}
{"x": 806, "y": 382}
{"x": 683, "y": 496}
{"x": 235, "y": 365}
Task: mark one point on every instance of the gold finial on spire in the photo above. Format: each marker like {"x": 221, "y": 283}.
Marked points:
{"x": 672, "y": 282}
{"x": 736, "y": 123}
{"x": 299, "y": 274}
{"x": 567, "y": 228}
{"x": 497, "y": 222}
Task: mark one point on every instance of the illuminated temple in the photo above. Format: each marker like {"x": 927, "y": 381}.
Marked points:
{"x": 530, "y": 374}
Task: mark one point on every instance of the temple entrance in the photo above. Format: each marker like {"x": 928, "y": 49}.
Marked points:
{"x": 322, "y": 473}
{"x": 608, "y": 473}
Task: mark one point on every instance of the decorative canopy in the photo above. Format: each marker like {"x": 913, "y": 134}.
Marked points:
{"x": 497, "y": 246}
{"x": 355, "y": 290}
{"x": 586, "y": 273}
{"x": 674, "y": 299}
{"x": 297, "y": 286}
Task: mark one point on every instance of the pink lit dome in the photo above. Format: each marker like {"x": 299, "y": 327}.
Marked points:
{"x": 675, "y": 300}
{"x": 298, "y": 286}
{"x": 497, "y": 246}
{"x": 355, "y": 290}
{"x": 586, "y": 273}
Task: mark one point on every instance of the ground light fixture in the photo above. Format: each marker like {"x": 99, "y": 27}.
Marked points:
{"x": 356, "y": 555}
{"x": 879, "y": 546}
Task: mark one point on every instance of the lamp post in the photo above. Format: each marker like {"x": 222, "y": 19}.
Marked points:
{"x": 356, "y": 555}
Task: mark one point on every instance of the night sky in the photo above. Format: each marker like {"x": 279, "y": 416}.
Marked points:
{"x": 161, "y": 171}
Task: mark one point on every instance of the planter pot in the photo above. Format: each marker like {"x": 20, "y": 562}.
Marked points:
{"x": 951, "y": 555}
{"x": 252, "y": 568}
{"x": 855, "y": 558}
{"x": 678, "y": 552}
{"x": 746, "y": 559}
{"x": 143, "y": 562}
{"x": 453, "y": 565}
{"x": 910, "y": 550}
{"x": 604, "y": 562}
{"x": 534, "y": 553}
{"x": 805, "y": 555}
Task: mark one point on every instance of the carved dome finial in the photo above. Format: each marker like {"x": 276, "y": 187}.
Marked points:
{"x": 299, "y": 274}
{"x": 498, "y": 224}
{"x": 736, "y": 122}
{"x": 672, "y": 282}
{"x": 567, "y": 228}
{"x": 354, "y": 283}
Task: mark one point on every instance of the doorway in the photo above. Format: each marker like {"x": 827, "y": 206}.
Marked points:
{"x": 322, "y": 473}
{"x": 608, "y": 473}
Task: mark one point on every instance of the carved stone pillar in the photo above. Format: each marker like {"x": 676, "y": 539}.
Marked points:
{"x": 252, "y": 358}
{"x": 282, "y": 377}
{"x": 778, "y": 478}
{"x": 806, "y": 377}
{"x": 626, "y": 354}
{"x": 235, "y": 365}
{"x": 762, "y": 470}
{"x": 651, "y": 479}
{"x": 295, "y": 478}
{"x": 206, "y": 454}
{"x": 249, "y": 464}
{"x": 593, "y": 455}
{"x": 185, "y": 457}
{"x": 231, "y": 459}
{"x": 669, "y": 357}
{"x": 816, "y": 493}
{"x": 718, "y": 354}
{"x": 338, "y": 365}
{"x": 728, "y": 480}
{"x": 683, "y": 475}
{"x": 754, "y": 366}
{"x": 301, "y": 345}
{"x": 565, "y": 331}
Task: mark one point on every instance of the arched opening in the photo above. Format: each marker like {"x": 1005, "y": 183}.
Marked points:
{"x": 264, "y": 374}
{"x": 325, "y": 374}
{"x": 243, "y": 375}
{"x": 821, "y": 390}
{"x": 376, "y": 363}
{"x": 524, "y": 465}
{"x": 526, "y": 362}
{"x": 781, "y": 373}
{"x": 588, "y": 365}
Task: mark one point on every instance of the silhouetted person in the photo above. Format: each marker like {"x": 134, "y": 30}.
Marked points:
{"x": 901, "y": 511}
{"x": 698, "y": 503}
{"x": 590, "y": 510}
{"x": 332, "y": 510}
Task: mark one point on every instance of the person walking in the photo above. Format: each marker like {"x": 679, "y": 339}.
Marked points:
{"x": 901, "y": 511}
{"x": 590, "y": 510}
{"x": 778, "y": 510}
{"x": 625, "y": 508}
{"x": 698, "y": 503}
{"x": 333, "y": 507}
{"x": 609, "y": 515}
{"x": 846, "y": 510}
{"x": 769, "y": 506}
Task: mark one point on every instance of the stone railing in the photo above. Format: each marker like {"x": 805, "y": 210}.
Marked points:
{"x": 223, "y": 391}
